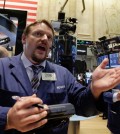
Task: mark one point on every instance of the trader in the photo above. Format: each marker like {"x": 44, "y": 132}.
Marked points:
{"x": 56, "y": 85}
{"x": 112, "y": 97}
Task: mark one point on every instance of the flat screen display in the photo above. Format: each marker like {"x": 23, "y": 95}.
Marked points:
{"x": 101, "y": 58}
{"x": 81, "y": 50}
{"x": 88, "y": 76}
{"x": 115, "y": 60}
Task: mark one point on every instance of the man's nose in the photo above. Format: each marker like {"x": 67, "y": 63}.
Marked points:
{"x": 44, "y": 37}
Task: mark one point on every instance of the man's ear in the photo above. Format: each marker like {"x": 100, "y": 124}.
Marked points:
{"x": 23, "y": 39}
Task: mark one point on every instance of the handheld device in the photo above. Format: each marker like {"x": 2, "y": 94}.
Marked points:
{"x": 60, "y": 111}
{"x": 56, "y": 111}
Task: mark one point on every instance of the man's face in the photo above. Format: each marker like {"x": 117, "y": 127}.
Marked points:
{"x": 37, "y": 43}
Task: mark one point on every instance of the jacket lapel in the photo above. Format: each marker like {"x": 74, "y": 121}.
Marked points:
{"x": 19, "y": 72}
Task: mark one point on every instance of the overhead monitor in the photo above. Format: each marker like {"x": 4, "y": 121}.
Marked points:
{"x": 81, "y": 50}
{"x": 101, "y": 58}
{"x": 88, "y": 76}
{"x": 115, "y": 59}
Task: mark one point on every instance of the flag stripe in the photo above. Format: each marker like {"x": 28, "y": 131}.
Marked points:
{"x": 31, "y": 14}
{"x": 20, "y": 4}
{"x": 22, "y": 1}
{"x": 27, "y": 5}
{"x": 20, "y": 7}
{"x": 1, "y": 4}
{"x": 30, "y": 21}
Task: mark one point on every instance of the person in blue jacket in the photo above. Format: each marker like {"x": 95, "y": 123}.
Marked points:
{"x": 57, "y": 86}
{"x": 112, "y": 97}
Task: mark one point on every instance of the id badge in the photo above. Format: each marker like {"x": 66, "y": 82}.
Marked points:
{"x": 49, "y": 76}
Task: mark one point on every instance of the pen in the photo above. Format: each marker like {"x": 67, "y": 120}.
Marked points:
{"x": 38, "y": 105}
{"x": 18, "y": 98}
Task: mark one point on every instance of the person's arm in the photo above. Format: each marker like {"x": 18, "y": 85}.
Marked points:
{"x": 108, "y": 97}
{"x": 3, "y": 117}
{"x": 104, "y": 79}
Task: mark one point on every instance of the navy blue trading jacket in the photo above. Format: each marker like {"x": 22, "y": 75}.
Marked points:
{"x": 13, "y": 77}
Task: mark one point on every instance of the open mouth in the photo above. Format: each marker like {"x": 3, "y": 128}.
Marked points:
{"x": 41, "y": 48}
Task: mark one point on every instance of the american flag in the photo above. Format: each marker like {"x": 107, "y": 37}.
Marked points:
{"x": 28, "y": 5}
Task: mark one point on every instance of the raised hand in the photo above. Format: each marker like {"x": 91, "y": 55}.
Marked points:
{"x": 104, "y": 79}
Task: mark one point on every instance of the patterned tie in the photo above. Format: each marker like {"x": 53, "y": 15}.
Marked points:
{"x": 35, "y": 80}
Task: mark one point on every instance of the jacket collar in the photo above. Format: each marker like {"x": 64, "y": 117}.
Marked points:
{"x": 19, "y": 72}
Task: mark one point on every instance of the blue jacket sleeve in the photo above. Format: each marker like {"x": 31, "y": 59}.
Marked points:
{"x": 3, "y": 117}
{"x": 81, "y": 97}
{"x": 108, "y": 97}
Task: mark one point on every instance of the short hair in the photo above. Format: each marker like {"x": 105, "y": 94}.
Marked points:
{"x": 27, "y": 29}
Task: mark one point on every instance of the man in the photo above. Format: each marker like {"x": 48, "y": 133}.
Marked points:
{"x": 57, "y": 85}
{"x": 3, "y": 52}
{"x": 113, "y": 99}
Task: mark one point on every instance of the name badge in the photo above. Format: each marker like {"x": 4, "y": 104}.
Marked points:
{"x": 49, "y": 76}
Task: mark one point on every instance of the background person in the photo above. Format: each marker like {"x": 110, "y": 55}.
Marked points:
{"x": 57, "y": 88}
{"x": 3, "y": 52}
{"x": 112, "y": 98}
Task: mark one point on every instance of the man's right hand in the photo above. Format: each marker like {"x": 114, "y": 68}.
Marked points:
{"x": 23, "y": 116}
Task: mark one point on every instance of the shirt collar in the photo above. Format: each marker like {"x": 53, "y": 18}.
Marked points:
{"x": 27, "y": 63}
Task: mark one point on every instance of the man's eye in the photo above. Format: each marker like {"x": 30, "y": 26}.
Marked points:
{"x": 49, "y": 37}
{"x": 37, "y": 34}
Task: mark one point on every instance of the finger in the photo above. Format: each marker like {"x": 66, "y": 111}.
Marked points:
{"x": 104, "y": 63}
{"x": 28, "y": 102}
{"x": 117, "y": 69}
{"x": 45, "y": 106}
{"x": 34, "y": 95}
{"x": 25, "y": 97}
{"x": 34, "y": 118}
{"x": 30, "y": 111}
{"x": 38, "y": 124}
{"x": 34, "y": 125}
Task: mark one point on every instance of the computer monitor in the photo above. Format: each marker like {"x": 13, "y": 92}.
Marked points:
{"x": 81, "y": 50}
{"x": 101, "y": 58}
{"x": 115, "y": 60}
{"x": 88, "y": 77}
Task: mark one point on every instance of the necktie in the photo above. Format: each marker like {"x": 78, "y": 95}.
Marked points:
{"x": 35, "y": 80}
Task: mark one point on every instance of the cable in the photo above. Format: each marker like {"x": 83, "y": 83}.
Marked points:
{"x": 62, "y": 8}
{"x": 4, "y": 4}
